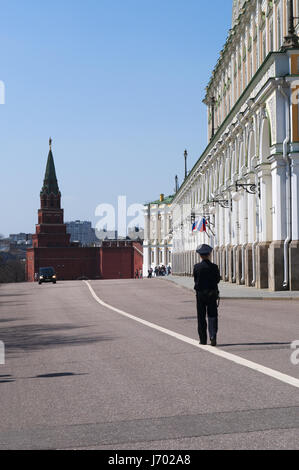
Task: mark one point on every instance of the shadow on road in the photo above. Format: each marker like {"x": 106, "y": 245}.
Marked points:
{"x": 5, "y": 379}
{"x": 12, "y": 303}
{"x": 38, "y": 337}
{"x": 55, "y": 375}
{"x": 21, "y": 294}
{"x": 7, "y": 320}
{"x": 187, "y": 318}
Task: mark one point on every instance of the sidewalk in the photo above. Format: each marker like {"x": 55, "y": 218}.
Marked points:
{"x": 232, "y": 291}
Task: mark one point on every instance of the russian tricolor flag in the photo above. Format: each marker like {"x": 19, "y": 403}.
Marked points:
{"x": 202, "y": 226}
{"x": 195, "y": 226}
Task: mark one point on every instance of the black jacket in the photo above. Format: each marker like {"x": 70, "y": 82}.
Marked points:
{"x": 206, "y": 276}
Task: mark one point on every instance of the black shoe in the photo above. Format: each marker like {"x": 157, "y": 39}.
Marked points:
{"x": 213, "y": 342}
{"x": 203, "y": 343}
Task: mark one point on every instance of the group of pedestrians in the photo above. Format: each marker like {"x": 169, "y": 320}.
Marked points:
{"x": 159, "y": 271}
{"x": 138, "y": 274}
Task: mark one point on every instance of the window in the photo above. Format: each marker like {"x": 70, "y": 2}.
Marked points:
{"x": 279, "y": 35}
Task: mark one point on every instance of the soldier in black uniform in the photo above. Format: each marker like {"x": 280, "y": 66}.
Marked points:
{"x": 207, "y": 277}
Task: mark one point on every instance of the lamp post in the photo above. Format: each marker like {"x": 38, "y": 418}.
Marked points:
{"x": 176, "y": 183}
{"x": 291, "y": 40}
{"x": 186, "y": 156}
{"x": 213, "y": 103}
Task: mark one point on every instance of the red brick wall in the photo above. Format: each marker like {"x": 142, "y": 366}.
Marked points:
{"x": 30, "y": 264}
{"x": 117, "y": 263}
{"x": 121, "y": 262}
{"x": 69, "y": 263}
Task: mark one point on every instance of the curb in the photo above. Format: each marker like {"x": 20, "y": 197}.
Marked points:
{"x": 224, "y": 297}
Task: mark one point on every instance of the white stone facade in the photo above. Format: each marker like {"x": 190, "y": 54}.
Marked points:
{"x": 247, "y": 180}
{"x": 157, "y": 246}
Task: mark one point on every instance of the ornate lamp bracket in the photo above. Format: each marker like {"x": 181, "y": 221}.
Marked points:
{"x": 225, "y": 203}
{"x": 250, "y": 188}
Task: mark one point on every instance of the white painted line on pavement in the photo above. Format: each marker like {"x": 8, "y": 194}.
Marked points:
{"x": 217, "y": 352}
{"x": 2, "y": 353}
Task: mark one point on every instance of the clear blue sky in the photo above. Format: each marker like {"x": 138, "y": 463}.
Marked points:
{"x": 117, "y": 84}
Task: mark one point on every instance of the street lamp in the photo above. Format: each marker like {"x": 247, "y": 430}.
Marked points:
{"x": 186, "y": 156}
{"x": 176, "y": 184}
{"x": 213, "y": 104}
{"x": 291, "y": 40}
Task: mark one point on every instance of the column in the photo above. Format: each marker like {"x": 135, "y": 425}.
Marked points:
{"x": 265, "y": 225}
{"x": 276, "y": 250}
{"x": 164, "y": 261}
{"x": 242, "y": 239}
{"x": 146, "y": 246}
{"x": 294, "y": 247}
{"x": 251, "y": 233}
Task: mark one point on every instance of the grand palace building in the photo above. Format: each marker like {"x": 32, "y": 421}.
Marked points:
{"x": 246, "y": 183}
{"x": 157, "y": 245}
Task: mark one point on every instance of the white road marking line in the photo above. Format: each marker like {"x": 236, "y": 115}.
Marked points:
{"x": 2, "y": 353}
{"x": 217, "y": 352}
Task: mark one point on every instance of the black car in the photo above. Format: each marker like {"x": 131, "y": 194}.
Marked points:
{"x": 47, "y": 275}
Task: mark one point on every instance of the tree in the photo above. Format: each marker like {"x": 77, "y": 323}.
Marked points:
{"x": 11, "y": 270}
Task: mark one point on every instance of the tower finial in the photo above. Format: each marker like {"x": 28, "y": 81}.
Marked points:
{"x": 50, "y": 143}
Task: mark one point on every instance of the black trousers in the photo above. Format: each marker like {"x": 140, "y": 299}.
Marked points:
{"x": 205, "y": 309}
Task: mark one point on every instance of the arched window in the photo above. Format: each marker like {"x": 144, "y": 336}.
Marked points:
{"x": 241, "y": 158}
{"x": 228, "y": 168}
{"x": 251, "y": 149}
{"x": 235, "y": 162}
{"x": 265, "y": 140}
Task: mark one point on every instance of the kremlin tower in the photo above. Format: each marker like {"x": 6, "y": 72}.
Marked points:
{"x": 51, "y": 245}
{"x": 50, "y": 231}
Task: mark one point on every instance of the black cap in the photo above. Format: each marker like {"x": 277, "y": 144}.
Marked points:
{"x": 204, "y": 250}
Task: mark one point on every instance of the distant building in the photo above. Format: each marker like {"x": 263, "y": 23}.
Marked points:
{"x": 136, "y": 233}
{"x": 16, "y": 245}
{"x": 157, "y": 246}
{"x": 81, "y": 232}
{"x": 106, "y": 235}
{"x": 21, "y": 238}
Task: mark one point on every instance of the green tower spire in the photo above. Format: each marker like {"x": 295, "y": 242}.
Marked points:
{"x": 50, "y": 181}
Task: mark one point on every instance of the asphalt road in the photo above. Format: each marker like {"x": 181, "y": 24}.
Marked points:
{"x": 81, "y": 376}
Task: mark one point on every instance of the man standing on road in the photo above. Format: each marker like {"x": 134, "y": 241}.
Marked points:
{"x": 207, "y": 277}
